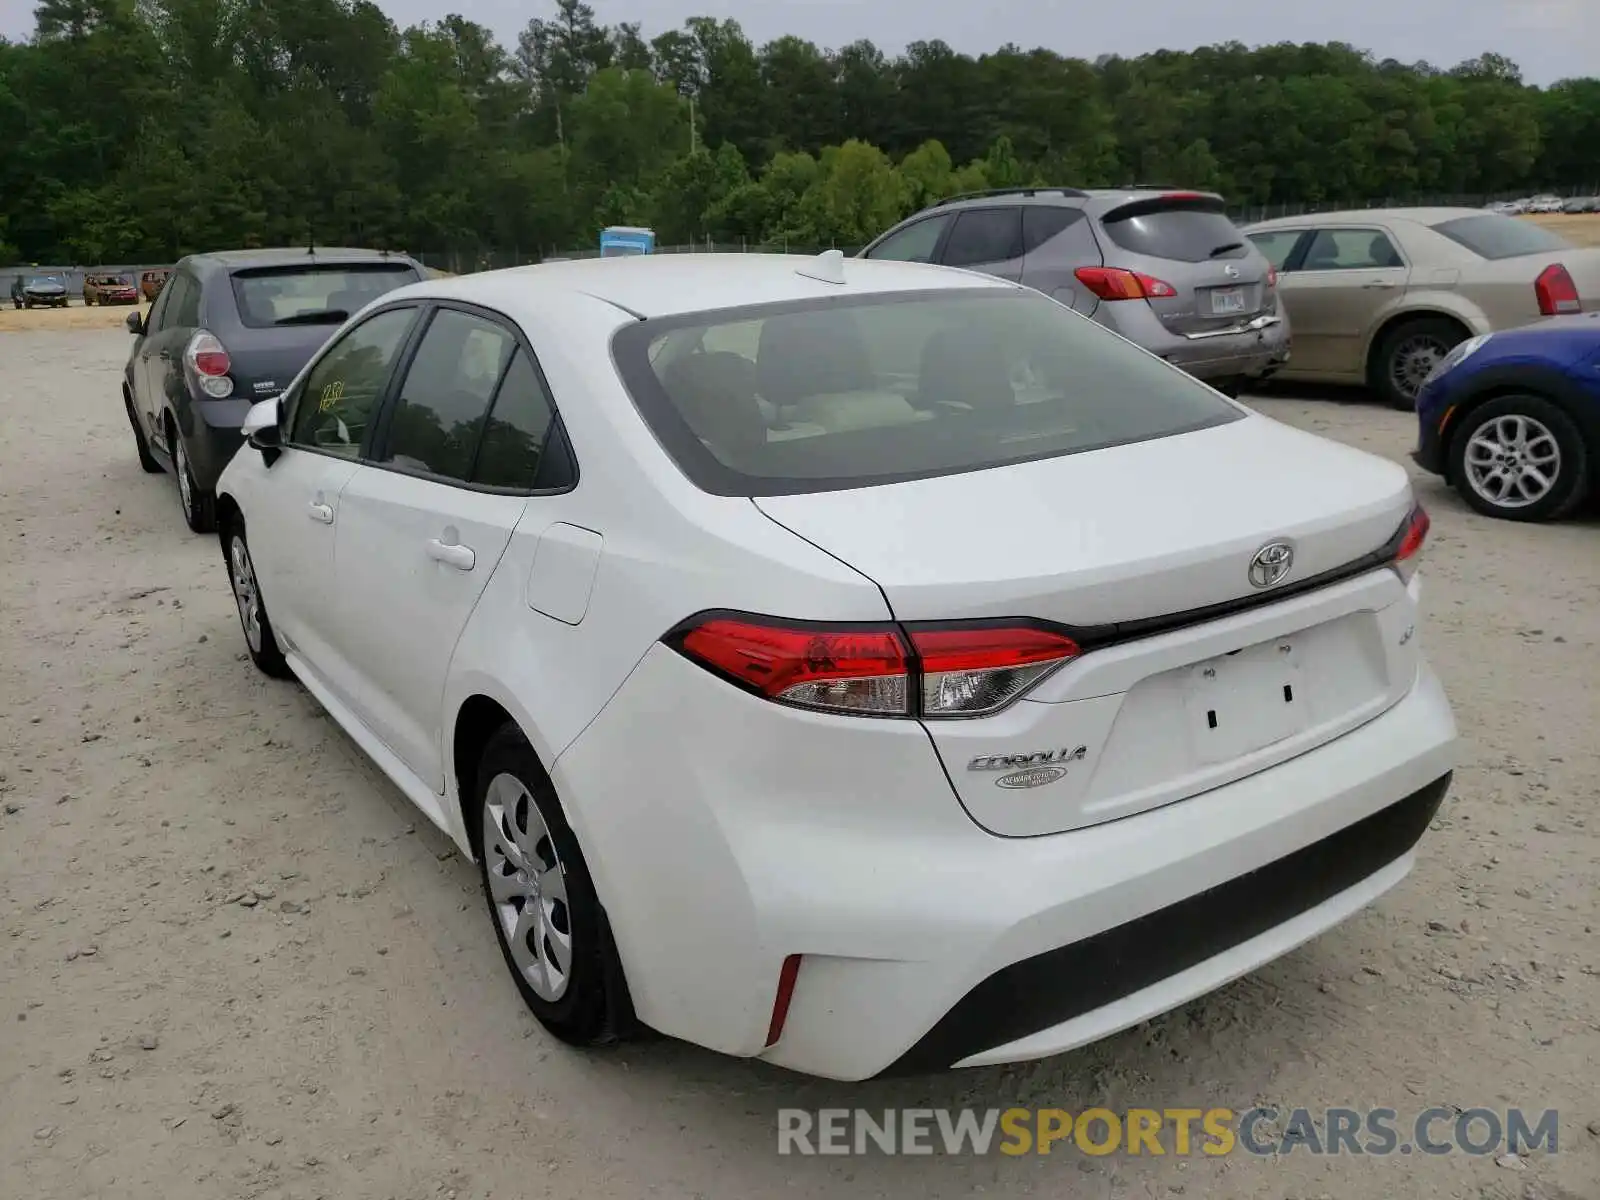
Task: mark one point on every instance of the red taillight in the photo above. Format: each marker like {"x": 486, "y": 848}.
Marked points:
{"x": 1412, "y": 536}
{"x": 207, "y": 355}
{"x": 851, "y": 670}
{"x": 1556, "y": 292}
{"x": 970, "y": 671}
{"x": 943, "y": 671}
{"x": 1113, "y": 283}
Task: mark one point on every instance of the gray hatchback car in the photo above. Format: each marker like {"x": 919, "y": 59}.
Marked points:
{"x": 1163, "y": 267}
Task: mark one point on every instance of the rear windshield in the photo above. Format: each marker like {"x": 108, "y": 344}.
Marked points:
{"x": 1186, "y": 231}
{"x": 792, "y": 398}
{"x": 1490, "y": 235}
{"x": 321, "y": 295}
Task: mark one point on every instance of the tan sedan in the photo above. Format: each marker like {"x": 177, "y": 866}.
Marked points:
{"x": 1378, "y": 296}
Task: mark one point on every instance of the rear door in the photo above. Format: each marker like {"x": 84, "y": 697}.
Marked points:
{"x": 1337, "y": 287}
{"x": 424, "y": 522}
{"x": 161, "y": 353}
{"x": 1215, "y": 278}
{"x": 987, "y": 240}
{"x": 1056, "y": 241}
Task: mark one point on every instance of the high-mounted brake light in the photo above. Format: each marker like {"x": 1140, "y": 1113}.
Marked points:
{"x": 1411, "y": 536}
{"x": 934, "y": 670}
{"x": 207, "y": 358}
{"x": 1556, "y": 292}
{"x": 1113, "y": 283}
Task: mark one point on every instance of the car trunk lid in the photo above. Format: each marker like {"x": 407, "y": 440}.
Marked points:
{"x": 1144, "y": 552}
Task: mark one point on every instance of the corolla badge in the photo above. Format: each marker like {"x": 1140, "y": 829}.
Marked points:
{"x": 1038, "y": 758}
{"x": 1271, "y": 564}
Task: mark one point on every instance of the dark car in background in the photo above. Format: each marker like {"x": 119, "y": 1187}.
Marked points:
{"x": 109, "y": 289}
{"x": 1163, "y": 267}
{"x": 44, "y": 291}
{"x": 230, "y": 329}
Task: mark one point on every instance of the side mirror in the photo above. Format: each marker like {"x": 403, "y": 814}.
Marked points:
{"x": 135, "y": 322}
{"x": 261, "y": 429}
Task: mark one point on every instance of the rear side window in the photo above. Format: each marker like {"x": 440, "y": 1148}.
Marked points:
{"x": 313, "y": 295}
{"x": 1277, "y": 245}
{"x": 984, "y": 235}
{"x": 1178, "y": 230}
{"x": 914, "y": 243}
{"x": 859, "y": 391}
{"x": 519, "y": 425}
{"x": 445, "y": 395}
{"x": 1041, "y": 224}
{"x": 1493, "y": 236}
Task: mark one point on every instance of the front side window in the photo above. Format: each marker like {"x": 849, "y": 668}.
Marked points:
{"x": 1350, "y": 250}
{"x": 171, "y": 303}
{"x": 783, "y": 399}
{"x": 343, "y": 390}
{"x": 445, "y": 396}
{"x": 914, "y": 243}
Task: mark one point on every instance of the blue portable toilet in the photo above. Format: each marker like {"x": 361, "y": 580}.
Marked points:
{"x": 626, "y": 239}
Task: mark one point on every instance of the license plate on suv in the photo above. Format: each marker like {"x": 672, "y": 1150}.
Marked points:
{"x": 1227, "y": 300}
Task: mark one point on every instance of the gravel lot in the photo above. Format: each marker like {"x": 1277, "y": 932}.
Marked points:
{"x": 235, "y": 963}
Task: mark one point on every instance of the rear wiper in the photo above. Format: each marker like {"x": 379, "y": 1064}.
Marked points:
{"x": 1225, "y": 247}
{"x": 318, "y": 316}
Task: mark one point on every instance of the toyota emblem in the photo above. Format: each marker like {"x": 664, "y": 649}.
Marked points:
{"x": 1271, "y": 565}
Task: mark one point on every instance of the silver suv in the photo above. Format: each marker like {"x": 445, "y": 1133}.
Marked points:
{"x": 1163, "y": 267}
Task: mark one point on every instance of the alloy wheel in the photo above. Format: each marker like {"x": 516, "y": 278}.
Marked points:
{"x": 528, "y": 887}
{"x": 1512, "y": 461}
{"x": 245, "y": 592}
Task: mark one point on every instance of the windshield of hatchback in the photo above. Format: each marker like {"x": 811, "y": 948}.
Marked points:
{"x": 867, "y": 390}
{"x": 314, "y": 295}
{"x": 1492, "y": 236}
{"x": 45, "y": 281}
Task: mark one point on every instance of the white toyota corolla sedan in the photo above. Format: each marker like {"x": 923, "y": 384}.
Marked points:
{"x": 861, "y": 666}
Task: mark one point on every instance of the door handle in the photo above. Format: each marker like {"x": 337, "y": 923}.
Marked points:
{"x": 322, "y": 513}
{"x": 1379, "y": 283}
{"x": 452, "y": 555}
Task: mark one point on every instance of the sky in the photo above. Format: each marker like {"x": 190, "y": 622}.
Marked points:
{"x": 1549, "y": 39}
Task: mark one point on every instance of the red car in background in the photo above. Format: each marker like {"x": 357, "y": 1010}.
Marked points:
{"x": 109, "y": 289}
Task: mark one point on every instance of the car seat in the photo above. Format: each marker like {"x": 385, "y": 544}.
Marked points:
{"x": 964, "y": 369}
{"x": 715, "y": 393}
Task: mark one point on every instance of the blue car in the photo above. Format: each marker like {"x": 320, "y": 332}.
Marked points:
{"x": 1512, "y": 419}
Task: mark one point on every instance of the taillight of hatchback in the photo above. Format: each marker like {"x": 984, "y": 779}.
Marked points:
{"x": 208, "y": 364}
{"x": 931, "y": 670}
{"x": 1113, "y": 283}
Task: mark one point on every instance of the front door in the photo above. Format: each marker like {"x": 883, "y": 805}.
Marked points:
{"x": 1334, "y": 294}
{"x": 293, "y": 530}
{"x": 424, "y": 523}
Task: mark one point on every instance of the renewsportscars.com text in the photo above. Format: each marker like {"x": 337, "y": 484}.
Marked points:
{"x": 1212, "y": 1132}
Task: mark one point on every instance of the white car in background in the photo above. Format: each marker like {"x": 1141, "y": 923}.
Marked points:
{"x": 856, "y": 665}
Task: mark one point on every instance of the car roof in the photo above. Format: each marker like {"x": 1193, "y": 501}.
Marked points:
{"x": 659, "y": 285}
{"x": 1364, "y": 216}
{"x": 1099, "y": 200}
{"x": 285, "y": 256}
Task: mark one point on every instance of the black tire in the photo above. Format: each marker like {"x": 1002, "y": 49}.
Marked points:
{"x": 88, "y": 302}
{"x": 1408, "y": 352}
{"x": 142, "y": 443}
{"x": 263, "y": 646}
{"x": 1571, "y": 484}
{"x": 594, "y": 1008}
{"x": 199, "y": 505}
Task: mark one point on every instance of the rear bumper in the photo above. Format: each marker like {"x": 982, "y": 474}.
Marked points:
{"x": 1247, "y": 354}
{"x": 211, "y": 435}
{"x": 725, "y": 835}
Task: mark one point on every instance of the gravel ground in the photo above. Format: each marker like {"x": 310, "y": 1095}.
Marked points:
{"x": 234, "y": 962}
